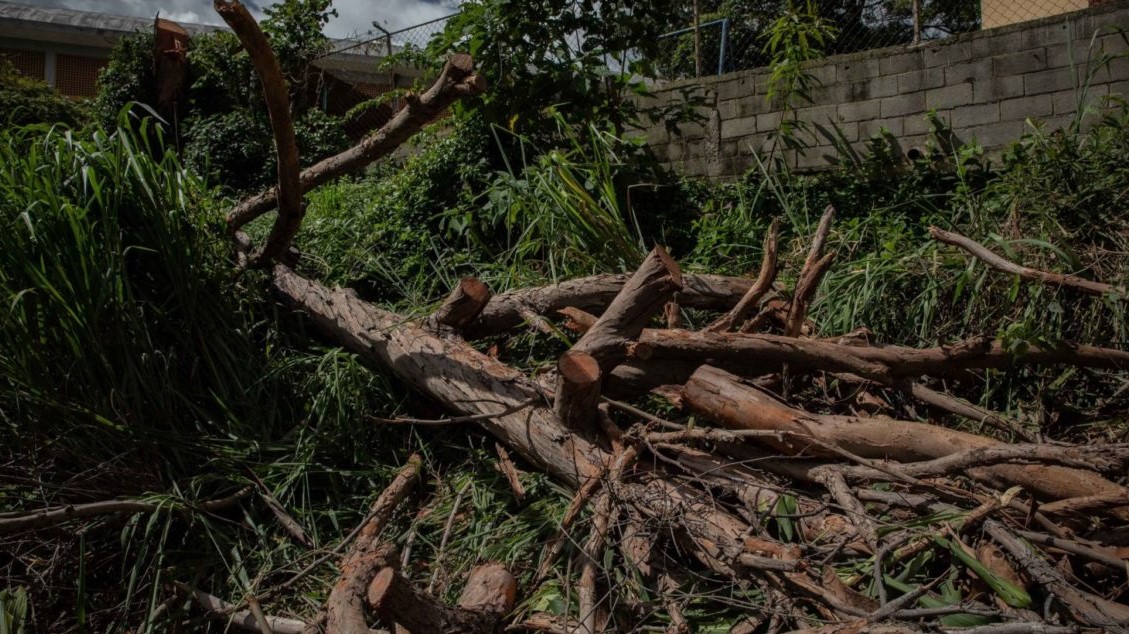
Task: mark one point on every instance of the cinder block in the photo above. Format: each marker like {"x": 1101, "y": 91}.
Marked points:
{"x": 736, "y": 88}
{"x": 750, "y": 107}
{"x": 979, "y": 70}
{"x": 1119, "y": 89}
{"x": 995, "y": 135}
{"x": 817, "y": 114}
{"x": 917, "y": 124}
{"x": 872, "y": 128}
{"x": 975, "y": 115}
{"x": 768, "y": 122}
{"x": 901, "y": 63}
{"x": 1028, "y": 61}
{"x": 873, "y": 89}
{"x": 734, "y": 128}
{"x": 947, "y": 53}
{"x": 859, "y": 110}
{"x": 991, "y": 44}
{"x": 1052, "y": 80}
{"x": 831, "y": 93}
{"x": 1045, "y": 35}
{"x": 997, "y": 88}
{"x": 923, "y": 79}
{"x": 1019, "y": 109}
{"x": 857, "y": 70}
{"x": 948, "y": 96}
{"x": 1068, "y": 101}
{"x": 1077, "y": 54}
{"x": 824, "y": 74}
{"x": 902, "y": 104}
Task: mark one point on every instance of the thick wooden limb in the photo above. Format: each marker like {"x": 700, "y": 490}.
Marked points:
{"x": 462, "y": 305}
{"x": 963, "y": 408}
{"x": 397, "y": 601}
{"x": 750, "y": 302}
{"x": 726, "y": 399}
{"x": 982, "y": 253}
{"x": 465, "y": 380}
{"x": 456, "y": 80}
{"x": 288, "y": 194}
{"x": 642, "y": 297}
{"x": 587, "y": 591}
{"x": 578, "y": 391}
{"x": 593, "y": 294}
{"x": 763, "y": 353}
{"x": 345, "y": 612}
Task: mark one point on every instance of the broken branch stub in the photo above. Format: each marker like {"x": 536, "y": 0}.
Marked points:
{"x": 463, "y": 304}
{"x": 488, "y": 596}
{"x": 578, "y": 391}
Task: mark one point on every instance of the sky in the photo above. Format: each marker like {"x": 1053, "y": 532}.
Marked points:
{"x": 354, "y": 16}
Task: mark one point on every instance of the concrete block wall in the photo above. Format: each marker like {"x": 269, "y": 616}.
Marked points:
{"x": 985, "y": 85}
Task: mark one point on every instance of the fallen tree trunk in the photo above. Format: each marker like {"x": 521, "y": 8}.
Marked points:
{"x": 734, "y": 403}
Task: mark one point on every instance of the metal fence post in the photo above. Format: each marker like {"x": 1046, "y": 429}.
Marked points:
{"x": 917, "y": 22}
{"x": 723, "y": 46}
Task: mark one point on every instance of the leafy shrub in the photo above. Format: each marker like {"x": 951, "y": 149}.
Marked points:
{"x": 25, "y": 101}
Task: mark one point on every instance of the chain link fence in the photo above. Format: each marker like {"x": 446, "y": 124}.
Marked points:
{"x": 735, "y": 35}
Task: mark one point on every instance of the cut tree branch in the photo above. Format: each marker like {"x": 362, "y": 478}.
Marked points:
{"x": 751, "y": 300}
{"x": 456, "y": 80}
{"x": 288, "y": 193}
{"x": 982, "y": 253}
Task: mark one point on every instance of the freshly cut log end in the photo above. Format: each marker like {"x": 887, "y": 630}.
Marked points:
{"x": 463, "y": 304}
{"x": 396, "y": 601}
{"x": 490, "y": 588}
{"x": 578, "y": 390}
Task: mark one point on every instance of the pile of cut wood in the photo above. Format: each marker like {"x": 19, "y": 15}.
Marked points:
{"x": 761, "y": 491}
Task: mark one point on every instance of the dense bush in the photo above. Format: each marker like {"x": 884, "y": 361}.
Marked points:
{"x": 25, "y": 101}
{"x": 224, "y": 127}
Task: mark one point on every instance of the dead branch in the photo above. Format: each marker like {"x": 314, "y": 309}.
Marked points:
{"x": 456, "y": 80}
{"x": 288, "y": 192}
{"x": 982, "y": 253}
{"x": 489, "y": 595}
{"x": 60, "y": 514}
{"x": 815, "y": 266}
{"x": 220, "y": 610}
{"x": 751, "y": 300}
{"x": 1083, "y": 606}
{"x": 506, "y": 466}
{"x": 578, "y": 390}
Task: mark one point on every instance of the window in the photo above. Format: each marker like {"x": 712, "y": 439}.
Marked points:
{"x": 27, "y": 63}
{"x": 77, "y": 75}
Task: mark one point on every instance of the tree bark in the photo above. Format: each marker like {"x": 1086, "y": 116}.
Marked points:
{"x": 724, "y": 398}
{"x": 578, "y": 391}
{"x": 397, "y": 601}
{"x": 462, "y": 305}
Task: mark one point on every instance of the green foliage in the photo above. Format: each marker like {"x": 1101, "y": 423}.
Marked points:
{"x": 295, "y": 30}
{"x": 128, "y": 77}
{"x": 573, "y": 53}
{"x": 26, "y": 101}
{"x": 796, "y": 38}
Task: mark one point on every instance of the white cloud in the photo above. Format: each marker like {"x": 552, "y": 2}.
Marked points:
{"x": 354, "y": 16}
